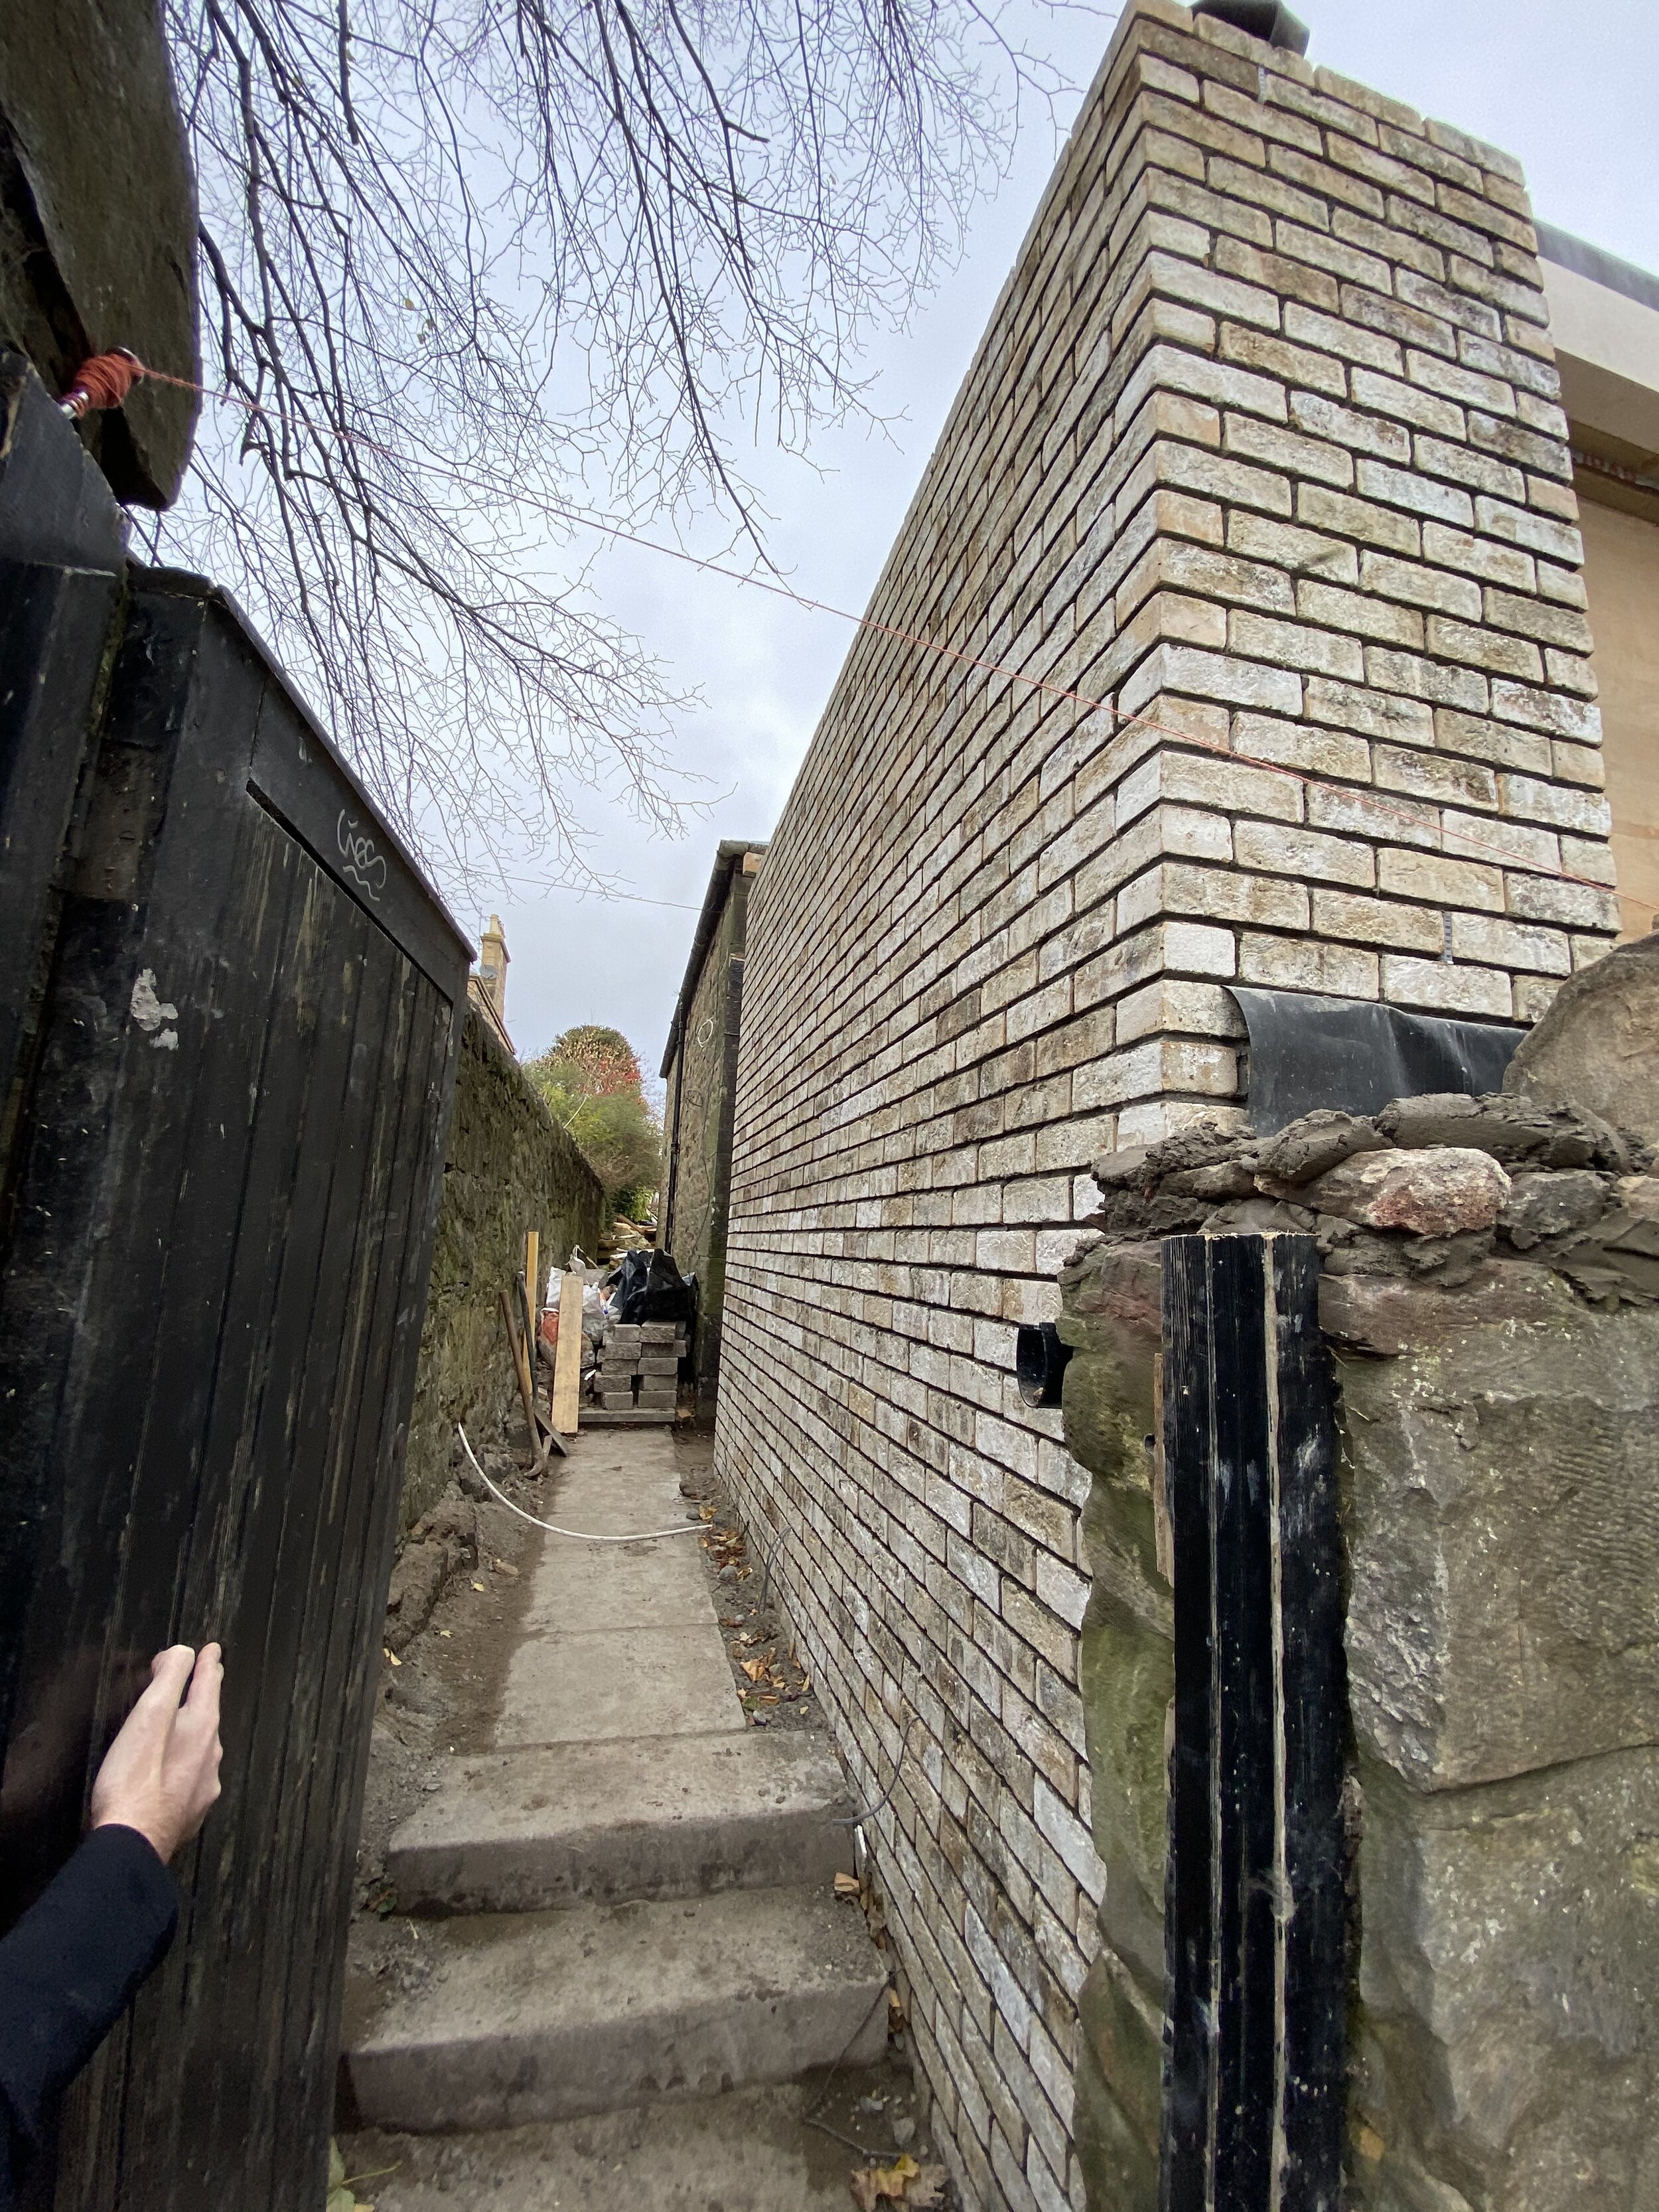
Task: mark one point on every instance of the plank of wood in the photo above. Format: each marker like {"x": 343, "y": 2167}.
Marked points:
{"x": 568, "y": 1359}
{"x": 533, "y": 1262}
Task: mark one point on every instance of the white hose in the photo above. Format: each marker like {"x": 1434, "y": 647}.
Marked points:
{"x": 579, "y": 1535}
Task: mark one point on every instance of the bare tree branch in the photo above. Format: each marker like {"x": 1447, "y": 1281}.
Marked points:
{"x": 468, "y": 262}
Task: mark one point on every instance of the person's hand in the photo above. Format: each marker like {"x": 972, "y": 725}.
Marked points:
{"x": 161, "y": 1773}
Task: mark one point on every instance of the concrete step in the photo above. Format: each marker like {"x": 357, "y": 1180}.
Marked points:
{"x": 611, "y": 1822}
{"x": 751, "y": 2150}
{"x": 548, "y": 2015}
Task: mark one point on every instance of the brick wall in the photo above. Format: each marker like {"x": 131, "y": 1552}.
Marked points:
{"x": 1256, "y": 496}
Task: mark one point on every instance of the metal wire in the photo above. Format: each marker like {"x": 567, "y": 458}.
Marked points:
{"x": 857, "y": 1820}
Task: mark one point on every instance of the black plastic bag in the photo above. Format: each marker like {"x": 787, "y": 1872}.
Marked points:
{"x": 650, "y": 1287}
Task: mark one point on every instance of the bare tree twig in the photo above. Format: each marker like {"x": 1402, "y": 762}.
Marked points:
{"x": 543, "y": 243}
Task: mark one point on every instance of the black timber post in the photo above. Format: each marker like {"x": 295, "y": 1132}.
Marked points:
{"x": 1255, "y": 1924}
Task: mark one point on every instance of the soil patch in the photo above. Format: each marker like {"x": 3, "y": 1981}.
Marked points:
{"x": 772, "y": 1682}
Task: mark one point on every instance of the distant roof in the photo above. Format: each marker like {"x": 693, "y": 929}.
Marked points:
{"x": 1585, "y": 259}
{"x": 730, "y": 855}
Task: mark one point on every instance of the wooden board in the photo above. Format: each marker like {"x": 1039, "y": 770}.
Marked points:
{"x": 1255, "y": 1926}
{"x": 568, "y": 1358}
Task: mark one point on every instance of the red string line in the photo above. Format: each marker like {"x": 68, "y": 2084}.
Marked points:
{"x": 120, "y": 370}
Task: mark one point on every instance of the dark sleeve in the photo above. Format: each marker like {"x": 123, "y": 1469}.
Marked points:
{"x": 68, "y": 1970}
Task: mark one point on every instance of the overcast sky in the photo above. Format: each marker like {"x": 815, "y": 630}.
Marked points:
{"x": 1570, "y": 87}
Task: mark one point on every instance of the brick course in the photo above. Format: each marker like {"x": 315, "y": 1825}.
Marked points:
{"x": 1256, "y": 496}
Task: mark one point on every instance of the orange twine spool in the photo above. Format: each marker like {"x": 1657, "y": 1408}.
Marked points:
{"x": 102, "y": 382}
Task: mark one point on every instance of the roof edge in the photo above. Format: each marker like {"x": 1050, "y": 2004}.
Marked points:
{"x": 728, "y": 856}
{"x": 1593, "y": 261}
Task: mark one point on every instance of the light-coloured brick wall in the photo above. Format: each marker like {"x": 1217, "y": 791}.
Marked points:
{"x": 1261, "y": 452}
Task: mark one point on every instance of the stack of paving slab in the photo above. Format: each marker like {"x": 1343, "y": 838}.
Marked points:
{"x": 639, "y": 1368}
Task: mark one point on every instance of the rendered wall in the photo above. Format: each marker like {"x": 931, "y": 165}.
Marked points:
{"x": 510, "y": 1168}
{"x": 1621, "y": 568}
{"x": 697, "y": 1116}
{"x": 1261, "y": 447}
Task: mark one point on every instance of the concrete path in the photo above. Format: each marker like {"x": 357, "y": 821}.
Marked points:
{"x": 639, "y": 1892}
{"x": 620, "y": 1640}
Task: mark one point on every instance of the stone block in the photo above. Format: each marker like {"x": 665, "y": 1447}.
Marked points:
{"x": 1598, "y": 1046}
{"x": 1509, "y": 2046}
{"x": 1504, "y": 1538}
{"x": 1440, "y": 1191}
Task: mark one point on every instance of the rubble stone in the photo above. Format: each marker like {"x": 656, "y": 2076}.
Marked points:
{"x": 1312, "y": 1146}
{"x": 1433, "y": 1193}
{"x": 1221, "y": 1180}
{"x": 1199, "y": 1146}
{"x": 1508, "y": 1128}
{"x": 1122, "y": 1171}
{"x": 1597, "y": 1047}
{"x": 1541, "y": 1205}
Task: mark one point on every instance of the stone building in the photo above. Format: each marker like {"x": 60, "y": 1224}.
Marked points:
{"x": 1253, "y": 543}
{"x": 699, "y": 1067}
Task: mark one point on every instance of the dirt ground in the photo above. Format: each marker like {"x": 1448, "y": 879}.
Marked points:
{"x": 439, "y": 1695}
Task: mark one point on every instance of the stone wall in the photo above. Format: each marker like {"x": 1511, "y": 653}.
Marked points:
{"x": 1253, "y": 534}
{"x": 510, "y": 1168}
{"x": 1490, "y": 1286}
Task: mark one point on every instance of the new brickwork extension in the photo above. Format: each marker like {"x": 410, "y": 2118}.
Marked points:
{"x": 1262, "y": 445}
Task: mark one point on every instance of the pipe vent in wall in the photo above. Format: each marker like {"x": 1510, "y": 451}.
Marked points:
{"x": 1263, "y": 19}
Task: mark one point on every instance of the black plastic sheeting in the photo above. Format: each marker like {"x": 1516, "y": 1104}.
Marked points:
{"x": 1307, "y": 1052}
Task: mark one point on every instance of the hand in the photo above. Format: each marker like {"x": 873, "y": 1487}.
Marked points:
{"x": 161, "y": 1773}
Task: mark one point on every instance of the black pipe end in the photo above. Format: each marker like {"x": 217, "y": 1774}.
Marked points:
{"x": 1269, "y": 20}
{"x": 1040, "y": 1360}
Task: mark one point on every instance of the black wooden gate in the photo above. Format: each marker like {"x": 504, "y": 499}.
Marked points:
{"x": 1255, "y": 1921}
{"x": 225, "y": 1155}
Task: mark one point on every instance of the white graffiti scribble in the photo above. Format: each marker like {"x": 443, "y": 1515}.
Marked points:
{"x": 361, "y": 864}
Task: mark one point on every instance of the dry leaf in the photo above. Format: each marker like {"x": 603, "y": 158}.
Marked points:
{"x": 503, "y": 1567}
{"x": 927, "y": 2189}
{"x": 392, "y": 1655}
{"x": 444, "y": 1631}
{"x": 870, "y": 2184}
{"x": 847, "y": 1885}
{"x": 754, "y": 1669}
{"x": 478, "y": 1586}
